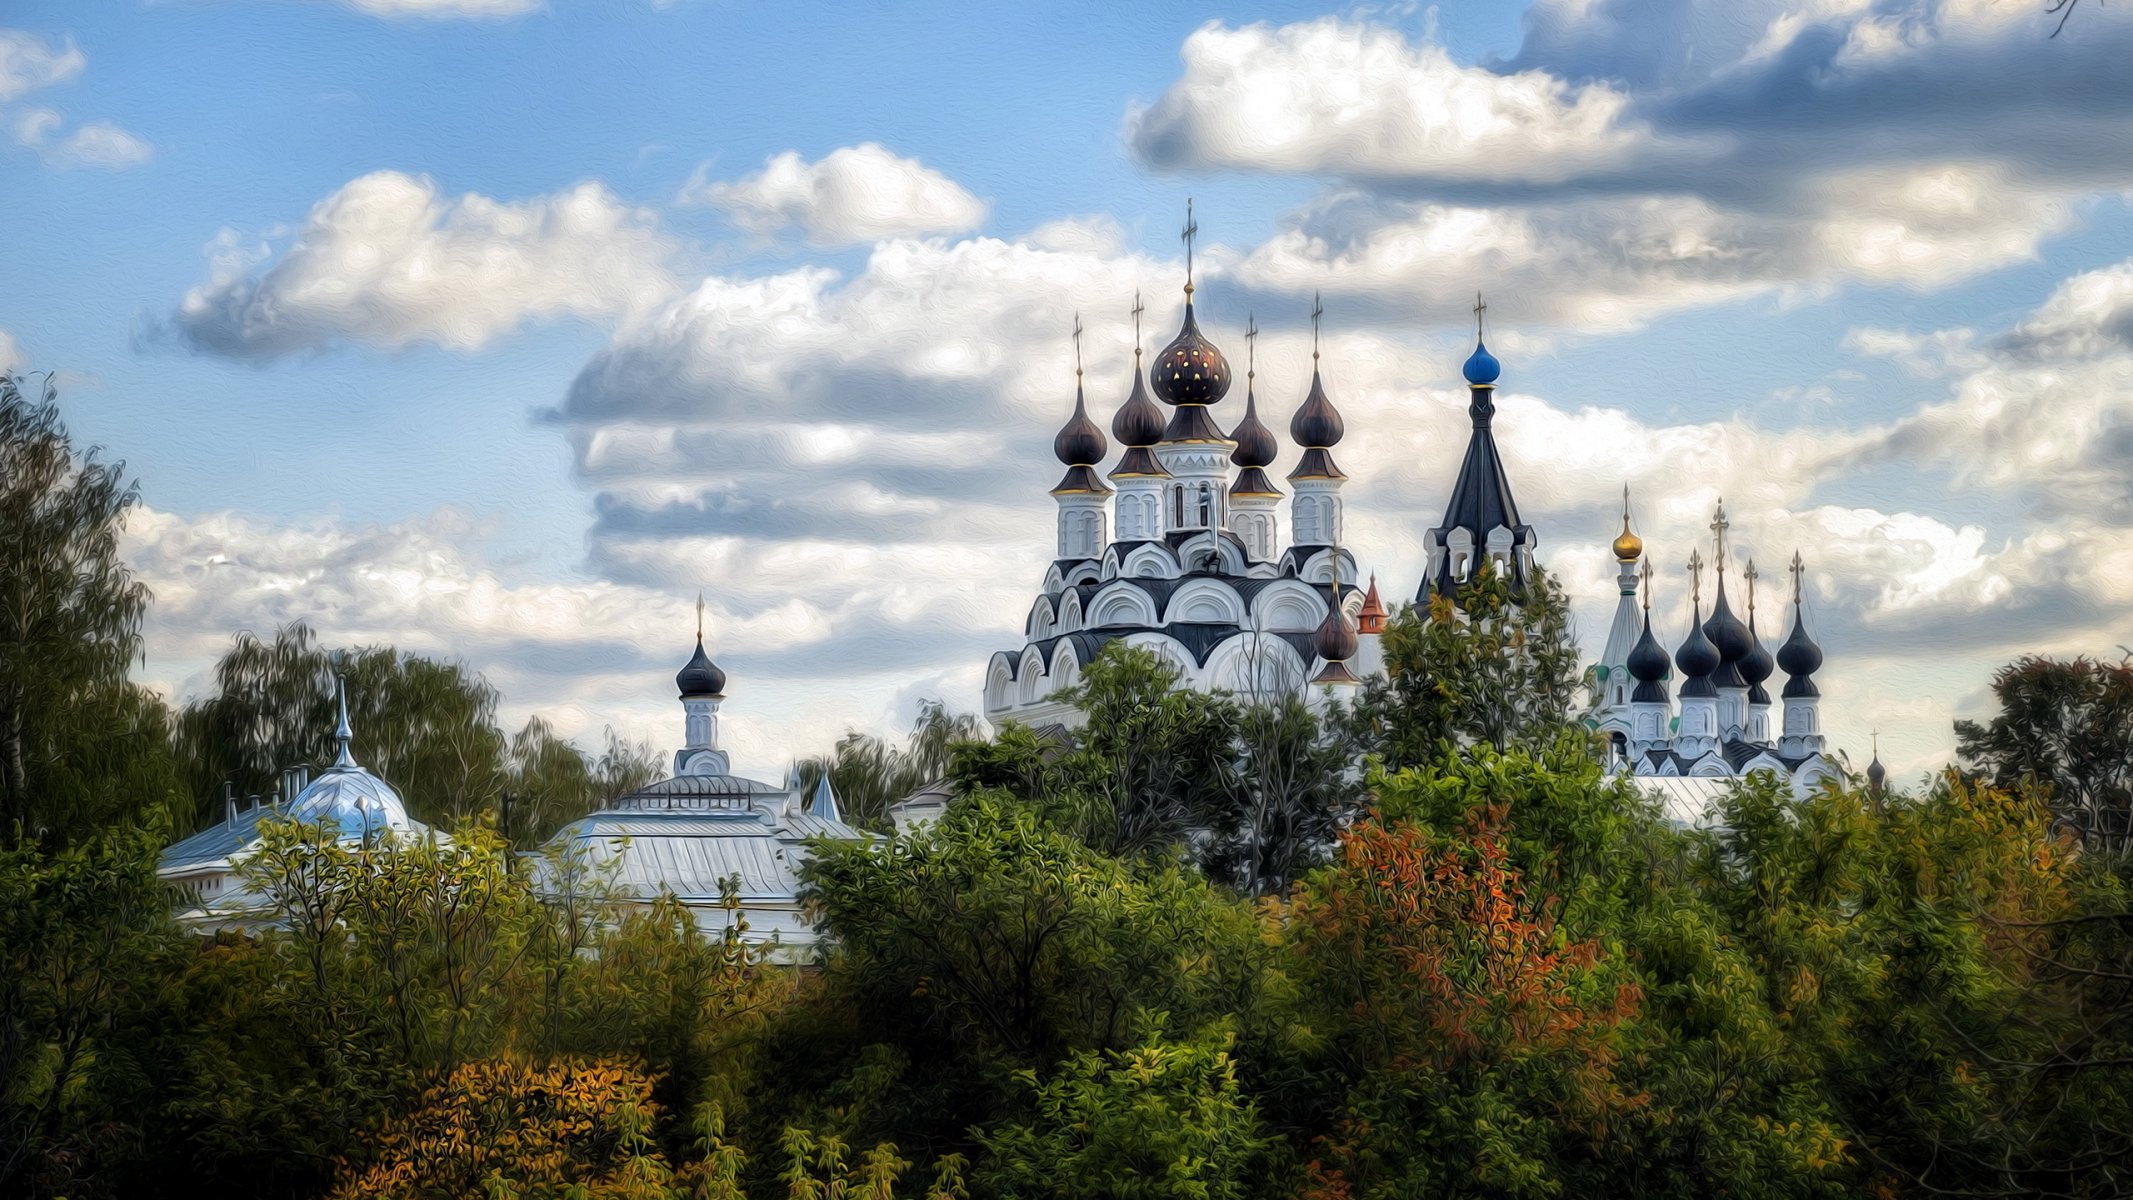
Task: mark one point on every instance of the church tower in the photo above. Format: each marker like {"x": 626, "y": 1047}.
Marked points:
{"x": 1800, "y": 657}
{"x": 703, "y": 689}
{"x": 1315, "y": 513}
{"x": 1482, "y": 518}
{"x": 1611, "y": 679}
{"x": 1253, "y": 496}
{"x": 1138, "y": 425}
{"x": 1189, "y": 375}
{"x": 1081, "y": 495}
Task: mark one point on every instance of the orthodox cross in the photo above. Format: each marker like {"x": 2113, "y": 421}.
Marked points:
{"x": 1798, "y": 568}
{"x": 1481, "y": 307}
{"x": 1718, "y": 534}
{"x": 1137, "y": 310}
{"x": 1077, "y": 345}
{"x": 1750, "y": 576}
{"x": 1318, "y": 310}
{"x": 1647, "y": 574}
{"x": 699, "y": 618}
{"x": 1696, "y": 580}
{"x": 1192, "y": 230}
{"x": 1251, "y": 349}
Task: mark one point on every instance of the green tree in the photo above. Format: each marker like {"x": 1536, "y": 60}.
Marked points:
{"x": 1156, "y": 1121}
{"x": 80, "y": 745}
{"x": 1294, "y": 784}
{"x": 1494, "y": 669}
{"x": 2069, "y": 726}
{"x": 869, "y": 775}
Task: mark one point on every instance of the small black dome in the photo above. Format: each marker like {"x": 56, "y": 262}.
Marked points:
{"x": 1080, "y": 443}
{"x": 1335, "y": 640}
{"x": 1799, "y": 656}
{"x": 1317, "y": 424}
{"x": 1697, "y": 657}
{"x": 1647, "y": 659}
{"x": 1877, "y": 776}
{"x": 1190, "y": 370}
{"x": 1138, "y": 421}
{"x": 701, "y": 677}
{"x": 1757, "y": 665}
{"x": 1255, "y": 442}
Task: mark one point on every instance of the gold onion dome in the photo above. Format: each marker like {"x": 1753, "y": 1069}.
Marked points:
{"x": 1628, "y": 546}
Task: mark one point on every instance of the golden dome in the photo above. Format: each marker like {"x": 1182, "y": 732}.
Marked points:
{"x": 1628, "y": 546}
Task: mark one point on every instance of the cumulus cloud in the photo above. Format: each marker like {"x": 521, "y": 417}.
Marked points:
{"x": 28, "y": 62}
{"x": 10, "y": 353}
{"x": 1657, "y": 154}
{"x": 390, "y": 261}
{"x": 853, "y": 195}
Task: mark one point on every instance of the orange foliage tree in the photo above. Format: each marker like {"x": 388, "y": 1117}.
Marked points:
{"x": 1473, "y": 1040}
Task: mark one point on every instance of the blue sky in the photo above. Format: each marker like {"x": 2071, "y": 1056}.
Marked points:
{"x": 772, "y": 303}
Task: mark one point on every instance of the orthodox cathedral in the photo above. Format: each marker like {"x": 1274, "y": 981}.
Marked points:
{"x": 1177, "y": 549}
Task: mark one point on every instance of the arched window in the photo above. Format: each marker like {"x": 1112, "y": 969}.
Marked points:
{"x": 1177, "y": 507}
{"x": 1207, "y": 503}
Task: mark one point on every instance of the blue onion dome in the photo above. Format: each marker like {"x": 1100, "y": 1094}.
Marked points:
{"x": 1190, "y": 370}
{"x": 1080, "y": 443}
{"x": 702, "y": 676}
{"x": 1481, "y": 368}
{"x": 354, "y": 802}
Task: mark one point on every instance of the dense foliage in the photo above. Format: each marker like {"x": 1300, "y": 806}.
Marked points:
{"x": 1212, "y": 947}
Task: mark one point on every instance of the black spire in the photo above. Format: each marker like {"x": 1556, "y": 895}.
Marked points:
{"x": 1758, "y": 665}
{"x": 1648, "y": 663}
{"x": 1481, "y": 497}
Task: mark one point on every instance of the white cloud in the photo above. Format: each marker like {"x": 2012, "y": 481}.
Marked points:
{"x": 1362, "y": 101}
{"x": 28, "y": 62}
{"x": 390, "y": 261}
{"x": 853, "y": 195}
{"x": 10, "y": 353}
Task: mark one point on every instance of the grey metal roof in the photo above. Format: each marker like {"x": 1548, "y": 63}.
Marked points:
{"x": 213, "y": 845}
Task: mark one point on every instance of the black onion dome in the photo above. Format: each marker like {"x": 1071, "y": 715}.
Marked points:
{"x": 1317, "y": 424}
{"x": 1190, "y": 370}
{"x": 1799, "y": 658}
{"x": 1335, "y": 640}
{"x": 1648, "y": 662}
{"x": 1255, "y": 442}
{"x": 1758, "y": 664}
{"x": 1877, "y": 776}
{"x": 1697, "y": 658}
{"x": 1080, "y": 443}
{"x": 701, "y": 677}
{"x": 1138, "y": 422}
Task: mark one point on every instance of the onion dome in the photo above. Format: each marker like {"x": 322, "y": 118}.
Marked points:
{"x": 1799, "y": 657}
{"x": 1877, "y": 776}
{"x": 1190, "y": 370}
{"x": 1729, "y": 634}
{"x": 1758, "y": 664}
{"x": 1371, "y": 619}
{"x": 1138, "y": 423}
{"x": 1481, "y": 369}
{"x": 1648, "y": 665}
{"x": 1255, "y": 446}
{"x": 702, "y": 676}
{"x": 1080, "y": 445}
{"x": 1698, "y": 656}
{"x": 1317, "y": 424}
{"x": 356, "y": 803}
{"x": 1335, "y": 642}
{"x": 1628, "y": 546}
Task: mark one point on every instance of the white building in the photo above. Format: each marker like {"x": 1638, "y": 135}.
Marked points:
{"x": 690, "y": 835}
{"x": 345, "y": 801}
{"x": 1184, "y": 555}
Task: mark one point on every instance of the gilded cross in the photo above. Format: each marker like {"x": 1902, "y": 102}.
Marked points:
{"x": 1481, "y": 307}
{"x": 1696, "y": 579}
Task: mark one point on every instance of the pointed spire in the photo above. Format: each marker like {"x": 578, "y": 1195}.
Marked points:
{"x": 824, "y": 802}
{"x": 341, "y": 732}
{"x": 1648, "y": 663}
{"x": 1371, "y": 619}
{"x": 1800, "y": 657}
